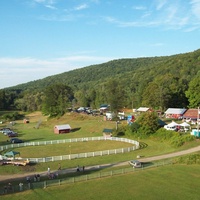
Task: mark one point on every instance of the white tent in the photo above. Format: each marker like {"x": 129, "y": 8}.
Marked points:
{"x": 184, "y": 124}
{"x": 172, "y": 124}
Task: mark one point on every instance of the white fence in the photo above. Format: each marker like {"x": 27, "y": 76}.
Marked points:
{"x": 84, "y": 177}
{"x": 79, "y": 155}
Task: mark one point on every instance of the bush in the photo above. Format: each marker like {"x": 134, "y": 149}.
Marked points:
{"x": 13, "y": 116}
{"x": 176, "y": 141}
{"x": 164, "y": 134}
{"x": 179, "y": 140}
{"x": 119, "y": 132}
{"x": 188, "y": 159}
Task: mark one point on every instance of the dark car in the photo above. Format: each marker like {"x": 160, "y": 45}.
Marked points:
{"x": 12, "y": 134}
{"x": 16, "y": 140}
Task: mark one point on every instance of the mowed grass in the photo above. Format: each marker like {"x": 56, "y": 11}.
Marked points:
{"x": 172, "y": 182}
{"x": 69, "y": 148}
{"x": 82, "y": 126}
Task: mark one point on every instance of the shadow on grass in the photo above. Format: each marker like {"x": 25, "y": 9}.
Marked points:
{"x": 147, "y": 164}
{"x": 75, "y": 129}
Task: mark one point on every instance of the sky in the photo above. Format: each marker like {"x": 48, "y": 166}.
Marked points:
{"x": 40, "y": 38}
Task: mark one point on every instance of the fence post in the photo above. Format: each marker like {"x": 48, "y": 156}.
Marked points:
{"x": 45, "y": 184}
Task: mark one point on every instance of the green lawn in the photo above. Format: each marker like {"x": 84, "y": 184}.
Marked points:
{"x": 85, "y": 126}
{"x": 69, "y": 148}
{"x": 167, "y": 182}
{"x": 172, "y": 182}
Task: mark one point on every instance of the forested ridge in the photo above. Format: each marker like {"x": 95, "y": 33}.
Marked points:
{"x": 157, "y": 82}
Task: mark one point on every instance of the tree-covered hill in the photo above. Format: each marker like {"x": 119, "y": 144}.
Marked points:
{"x": 157, "y": 82}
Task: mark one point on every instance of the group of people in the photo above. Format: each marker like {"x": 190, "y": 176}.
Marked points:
{"x": 36, "y": 177}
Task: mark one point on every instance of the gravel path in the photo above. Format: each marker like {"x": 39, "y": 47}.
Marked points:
{"x": 7, "y": 178}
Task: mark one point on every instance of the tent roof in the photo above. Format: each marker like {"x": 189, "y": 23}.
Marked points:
{"x": 106, "y": 130}
{"x": 142, "y": 109}
{"x": 191, "y": 113}
{"x": 11, "y": 153}
{"x": 184, "y": 124}
{"x": 63, "y": 127}
{"x": 172, "y": 124}
{"x": 179, "y": 111}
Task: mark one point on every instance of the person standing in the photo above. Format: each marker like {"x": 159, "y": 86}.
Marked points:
{"x": 21, "y": 186}
{"x": 59, "y": 166}
{"x": 48, "y": 170}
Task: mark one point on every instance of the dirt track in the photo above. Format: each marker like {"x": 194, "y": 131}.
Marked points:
{"x": 6, "y": 178}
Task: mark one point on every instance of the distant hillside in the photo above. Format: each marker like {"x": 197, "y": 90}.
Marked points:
{"x": 181, "y": 65}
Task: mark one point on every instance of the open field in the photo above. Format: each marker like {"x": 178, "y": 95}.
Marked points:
{"x": 141, "y": 185}
{"x": 83, "y": 126}
{"x": 172, "y": 182}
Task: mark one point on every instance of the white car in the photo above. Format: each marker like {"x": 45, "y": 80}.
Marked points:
{"x": 135, "y": 163}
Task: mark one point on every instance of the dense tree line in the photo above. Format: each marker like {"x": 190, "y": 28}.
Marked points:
{"x": 156, "y": 82}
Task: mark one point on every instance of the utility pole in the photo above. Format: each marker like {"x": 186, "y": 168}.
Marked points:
{"x": 198, "y": 121}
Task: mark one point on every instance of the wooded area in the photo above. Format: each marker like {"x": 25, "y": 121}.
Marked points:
{"x": 156, "y": 82}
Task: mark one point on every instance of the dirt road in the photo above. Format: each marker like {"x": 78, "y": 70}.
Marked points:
{"x": 6, "y": 178}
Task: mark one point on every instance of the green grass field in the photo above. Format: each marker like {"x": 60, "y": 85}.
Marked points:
{"x": 85, "y": 126}
{"x": 168, "y": 182}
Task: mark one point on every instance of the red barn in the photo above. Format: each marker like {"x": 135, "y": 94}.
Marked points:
{"x": 60, "y": 129}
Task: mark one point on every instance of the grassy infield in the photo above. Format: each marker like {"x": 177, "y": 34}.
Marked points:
{"x": 168, "y": 182}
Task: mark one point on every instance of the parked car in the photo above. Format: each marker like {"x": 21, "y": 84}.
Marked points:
{"x": 16, "y": 140}
{"x": 135, "y": 163}
{"x": 12, "y": 134}
{"x": 4, "y": 130}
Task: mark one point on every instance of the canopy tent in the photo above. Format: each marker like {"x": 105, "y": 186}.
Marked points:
{"x": 172, "y": 124}
{"x": 184, "y": 124}
{"x": 11, "y": 154}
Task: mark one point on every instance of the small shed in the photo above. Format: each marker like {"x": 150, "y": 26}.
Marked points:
{"x": 104, "y": 108}
{"x": 143, "y": 109}
{"x": 60, "y": 129}
{"x": 107, "y": 133}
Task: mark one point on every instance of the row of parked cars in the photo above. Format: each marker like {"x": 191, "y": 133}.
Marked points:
{"x": 11, "y": 134}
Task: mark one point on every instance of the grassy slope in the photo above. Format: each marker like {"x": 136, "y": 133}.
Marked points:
{"x": 167, "y": 182}
{"x": 87, "y": 126}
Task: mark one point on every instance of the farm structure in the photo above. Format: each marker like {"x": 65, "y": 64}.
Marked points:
{"x": 191, "y": 114}
{"x": 107, "y": 133}
{"x": 175, "y": 113}
{"x": 143, "y": 109}
{"x": 60, "y": 129}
